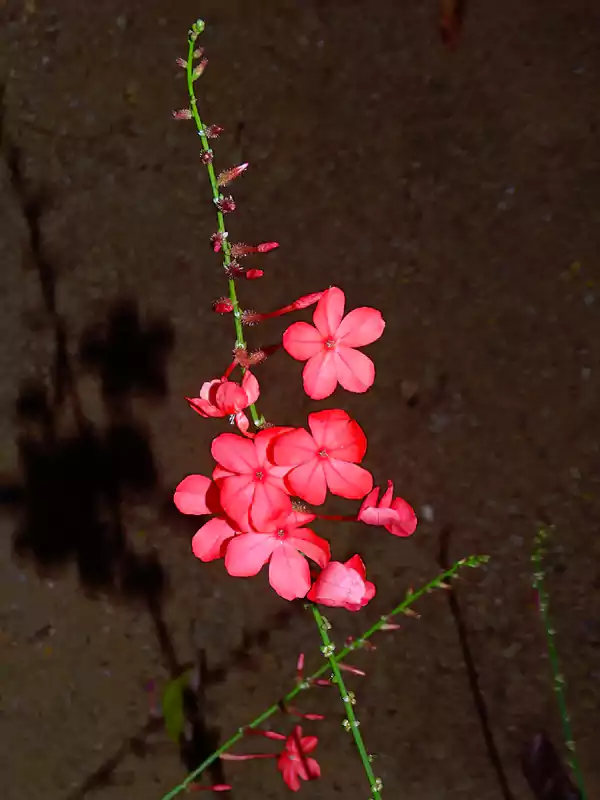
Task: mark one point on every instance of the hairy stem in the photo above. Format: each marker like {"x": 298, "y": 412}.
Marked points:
{"x": 401, "y": 608}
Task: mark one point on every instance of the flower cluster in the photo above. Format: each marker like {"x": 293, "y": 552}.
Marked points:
{"x": 266, "y": 485}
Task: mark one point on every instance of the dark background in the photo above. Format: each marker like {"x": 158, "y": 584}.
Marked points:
{"x": 459, "y": 192}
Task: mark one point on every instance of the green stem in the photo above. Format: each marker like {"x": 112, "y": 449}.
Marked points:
{"x": 401, "y": 608}
{"x": 351, "y": 723}
{"x": 226, "y": 247}
{"x": 558, "y": 680}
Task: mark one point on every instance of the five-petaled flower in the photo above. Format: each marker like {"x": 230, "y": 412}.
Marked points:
{"x": 325, "y": 458}
{"x": 251, "y": 487}
{"x": 328, "y": 346}
{"x": 343, "y": 585}
{"x": 293, "y": 762}
{"x": 283, "y": 543}
{"x": 223, "y": 398}
{"x": 395, "y": 515}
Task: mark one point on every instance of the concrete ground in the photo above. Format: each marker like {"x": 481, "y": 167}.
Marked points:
{"x": 459, "y": 192}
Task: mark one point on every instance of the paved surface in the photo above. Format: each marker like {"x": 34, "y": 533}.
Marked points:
{"x": 457, "y": 192}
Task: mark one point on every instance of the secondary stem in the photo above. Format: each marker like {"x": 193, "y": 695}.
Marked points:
{"x": 351, "y": 720}
{"x": 557, "y": 677}
{"x": 225, "y": 246}
{"x": 409, "y": 600}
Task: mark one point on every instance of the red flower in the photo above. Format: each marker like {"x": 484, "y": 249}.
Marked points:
{"x": 280, "y": 543}
{"x": 343, "y": 585}
{"x": 293, "y": 763}
{"x": 396, "y": 516}
{"x": 197, "y": 494}
{"x": 328, "y": 347}
{"x": 222, "y": 398}
{"x": 326, "y": 459}
{"x": 252, "y": 491}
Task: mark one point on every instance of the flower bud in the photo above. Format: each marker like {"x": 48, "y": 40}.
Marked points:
{"x": 225, "y": 204}
{"x": 253, "y": 274}
{"x": 216, "y": 241}
{"x": 229, "y": 175}
{"x": 233, "y": 270}
{"x": 213, "y": 131}
{"x": 181, "y": 62}
{"x": 206, "y": 156}
{"x": 240, "y": 249}
{"x": 223, "y": 305}
{"x": 199, "y": 69}
{"x": 182, "y": 113}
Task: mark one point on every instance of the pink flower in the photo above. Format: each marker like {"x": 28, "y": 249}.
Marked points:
{"x": 328, "y": 347}
{"x": 282, "y": 543}
{"x": 197, "y": 494}
{"x": 326, "y": 459}
{"x": 222, "y": 398}
{"x": 343, "y": 585}
{"x": 396, "y": 516}
{"x": 252, "y": 491}
{"x": 293, "y": 763}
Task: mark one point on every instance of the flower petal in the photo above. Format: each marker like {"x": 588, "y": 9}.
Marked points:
{"x": 346, "y": 479}
{"x": 335, "y": 431}
{"x": 269, "y": 503}
{"x": 246, "y": 554}
{"x": 293, "y": 448}
{"x": 204, "y": 408}
{"x": 319, "y": 376}
{"x": 357, "y": 564}
{"x": 196, "y": 494}
{"x": 301, "y": 341}
{"x": 251, "y": 387}
{"x": 329, "y": 312}
{"x": 307, "y": 481}
{"x": 237, "y": 494}
{"x": 354, "y": 370}
{"x": 360, "y": 327}
{"x": 313, "y": 546}
{"x": 235, "y": 453}
{"x": 210, "y": 541}
{"x": 289, "y": 573}
{"x": 230, "y": 397}
{"x": 405, "y": 522}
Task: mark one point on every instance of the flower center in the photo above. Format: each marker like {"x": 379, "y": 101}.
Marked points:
{"x": 330, "y": 344}
{"x": 258, "y": 475}
{"x": 281, "y": 533}
{"x": 323, "y": 453}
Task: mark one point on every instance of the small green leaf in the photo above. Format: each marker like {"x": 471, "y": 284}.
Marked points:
{"x": 172, "y": 705}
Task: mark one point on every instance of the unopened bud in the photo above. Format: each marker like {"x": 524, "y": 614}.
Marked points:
{"x": 240, "y": 249}
{"x": 223, "y": 305}
{"x": 216, "y": 241}
{"x": 307, "y": 300}
{"x": 233, "y": 270}
{"x": 206, "y": 156}
{"x": 253, "y": 274}
{"x": 199, "y": 69}
{"x": 225, "y": 204}
{"x": 198, "y": 52}
{"x": 300, "y": 665}
{"x": 349, "y": 668}
{"x": 231, "y": 174}
{"x": 182, "y": 113}
{"x": 181, "y": 62}
{"x": 213, "y": 131}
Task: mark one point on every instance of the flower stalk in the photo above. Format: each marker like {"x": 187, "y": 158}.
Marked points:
{"x": 351, "y": 723}
{"x": 217, "y": 199}
{"x": 316, "y": 678}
